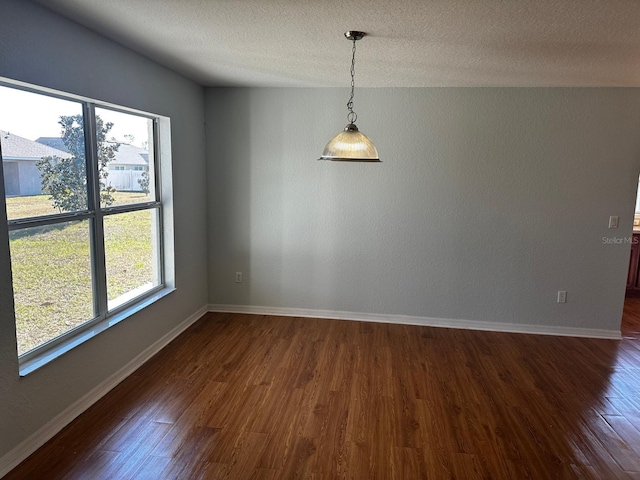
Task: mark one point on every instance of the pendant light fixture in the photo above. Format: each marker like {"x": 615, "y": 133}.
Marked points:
{"x": 351, "y": 145}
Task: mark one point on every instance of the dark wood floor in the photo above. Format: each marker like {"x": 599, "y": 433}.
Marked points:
{"x": 248, "y": 396}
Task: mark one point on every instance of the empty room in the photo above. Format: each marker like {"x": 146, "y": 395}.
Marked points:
{"x": 319, "y": 240}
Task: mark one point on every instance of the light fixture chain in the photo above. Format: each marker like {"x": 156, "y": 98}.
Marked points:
{"x": 352, "y": 116}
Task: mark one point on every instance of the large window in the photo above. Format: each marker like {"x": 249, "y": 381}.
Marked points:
{"x": 85, "y": 228}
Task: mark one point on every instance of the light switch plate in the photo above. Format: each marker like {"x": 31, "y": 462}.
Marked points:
{"x": 613, "y": 221}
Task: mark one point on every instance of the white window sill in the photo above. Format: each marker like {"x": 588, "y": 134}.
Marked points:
{"x": 40, "y": 358}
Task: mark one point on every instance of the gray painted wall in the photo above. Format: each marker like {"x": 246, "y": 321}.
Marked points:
{"x": 42, "y": 48}
{"x": 488, "y": 202}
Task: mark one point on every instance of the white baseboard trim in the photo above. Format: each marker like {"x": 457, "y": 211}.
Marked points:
{"x": 422, "y": 321}
{"x": 12, "y": 459}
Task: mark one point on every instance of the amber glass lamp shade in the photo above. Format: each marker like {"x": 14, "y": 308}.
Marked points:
{"x": 350, "y": 145}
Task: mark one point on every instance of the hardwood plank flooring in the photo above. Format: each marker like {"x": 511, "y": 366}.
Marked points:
{"x": 263, "y": 397}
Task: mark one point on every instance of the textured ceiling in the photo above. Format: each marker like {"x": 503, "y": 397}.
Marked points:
{"x": 411, "y": 43}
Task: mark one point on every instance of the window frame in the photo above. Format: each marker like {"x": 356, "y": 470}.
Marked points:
{"x": 95, "y": 215}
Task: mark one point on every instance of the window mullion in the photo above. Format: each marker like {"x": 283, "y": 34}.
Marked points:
{"x": 158, "y": 196}
{"x": 99, "y": 270}
{"x": 155, "y": 145}
{"x": 42, "y": 220}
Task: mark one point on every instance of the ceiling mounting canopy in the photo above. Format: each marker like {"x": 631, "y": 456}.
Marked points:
{"x": 354, "y": 35}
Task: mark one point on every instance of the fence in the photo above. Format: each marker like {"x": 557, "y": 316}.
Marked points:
{"x": 125, "y": 180}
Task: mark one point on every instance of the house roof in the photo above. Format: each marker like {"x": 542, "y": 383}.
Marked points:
{"x": 20, "y": 148}
{"x": 55, "y": 142}
{"x": 131, "y": 155}
{"x": 125, "y": 155}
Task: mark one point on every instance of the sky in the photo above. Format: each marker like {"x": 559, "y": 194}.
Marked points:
{"x": 31, "y": 115}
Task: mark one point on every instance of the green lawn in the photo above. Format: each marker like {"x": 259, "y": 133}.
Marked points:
{"x": 52, "y": 270}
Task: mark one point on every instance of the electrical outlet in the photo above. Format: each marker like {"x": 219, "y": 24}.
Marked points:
{"x": 238, "y": 277}
{"x": 562, "y": 296}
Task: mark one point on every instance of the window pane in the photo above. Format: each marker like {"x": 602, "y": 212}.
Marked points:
{"x": 125, "y": 148}
{"x": 51, "y": 268}
{"x": 43, "y": 155}
{"x": 132, "y": 255}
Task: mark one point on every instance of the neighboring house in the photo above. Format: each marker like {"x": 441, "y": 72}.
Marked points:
{"x": 19, "y": 157}
{"x": 127, "y": 169}
{"x": 22, "y": 177}
{"x": 124, "y": 170}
